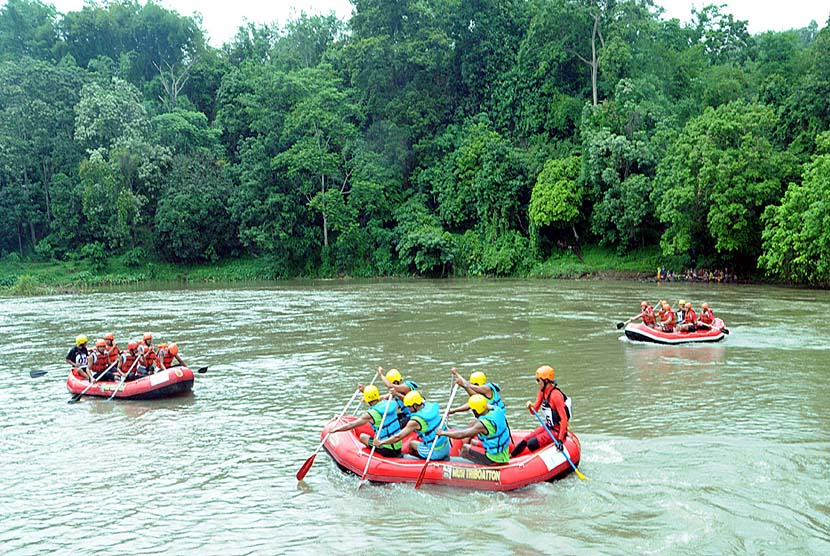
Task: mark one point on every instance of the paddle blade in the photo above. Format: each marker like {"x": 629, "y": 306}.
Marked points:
{"x": 74, "y": 398}
{"x": 202, "y": 370}
{"x": 421, "y": 476}
{"x": 620, "y": 325}
{"x": 35, "y": 374}
{"x": 725, "y": 330}
{"x": 579, "y": 474}
{"x": 306, "y": 466}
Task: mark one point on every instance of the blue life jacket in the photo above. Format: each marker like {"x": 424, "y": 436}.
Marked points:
{"x": 499, "y": 440}
{"x": 429, "y": 419}
{"x": 401, "y": 407}
{"x": 496, "y": 400}
{"x": 389, "y": 427}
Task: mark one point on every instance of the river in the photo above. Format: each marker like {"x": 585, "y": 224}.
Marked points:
{"x": 705, "y": 449}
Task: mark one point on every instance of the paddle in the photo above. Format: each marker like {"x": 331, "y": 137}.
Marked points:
{"x": 310, "y": 461}
{"x": 77, "y": 397}
{"x": 124, "y": 378}
{"x": 440, "y": 427}
{"x": 559, "y": 445}
{"x": 41, "y": 372}
{"x": 621, "y": 324}
{"x": 372, "y": 452}
{"x": 201, "y": 370}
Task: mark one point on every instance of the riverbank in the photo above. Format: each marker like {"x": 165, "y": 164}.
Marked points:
{"x": 22, "y": 277}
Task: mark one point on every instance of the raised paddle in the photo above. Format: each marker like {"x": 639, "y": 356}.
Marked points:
{"x": 440, "y": 427}
{"x": 621, "y": 324}
{"x": 372, "y": 451}
{"x": 560, "y": 445}
{"x": 77, "y": 397}
{"x": 310, "y": 461}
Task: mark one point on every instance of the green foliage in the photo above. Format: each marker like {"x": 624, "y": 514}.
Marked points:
{"x": 796, "y": 240}
{"x": 717, "y": 179}
{"x": 557, "y": 194}
{"x": 422, "y": 245}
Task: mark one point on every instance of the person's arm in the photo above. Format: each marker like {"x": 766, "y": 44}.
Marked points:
{"x": 362, "y": 420}
{"x": 469, "y": 432}
{"x": 160, "y": 356}
{"x": 459, "y": 409}
{"x": 538, "y": 403}
{"x": 558, "y": 404}
{"x": 180, "y": 360}
{"x": 411, "y": 425}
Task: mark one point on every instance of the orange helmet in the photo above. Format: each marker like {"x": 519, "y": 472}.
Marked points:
{"x": 545, "y": 372}
{"x": 109, "y": 336}
{"x": 704, "y": 306}
{"x": 147, "y": 336}
{"x": 163, "y": 346}
{"x": 132, "y": 345}
{"x": 688, "y": 306}
{"x": 644, "y": 304}
{"x": 100, "y": 343}
{"x": 666, "y": 307}
{"x": 173, "y": 349}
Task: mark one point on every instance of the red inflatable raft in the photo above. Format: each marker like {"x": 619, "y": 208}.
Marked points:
{"x": 544, "y": 465}
{"x": 163, "y": 384}
{"x": 639, "y": 332}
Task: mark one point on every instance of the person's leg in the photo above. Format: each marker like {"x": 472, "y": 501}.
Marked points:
{"x": 475, "y": 456}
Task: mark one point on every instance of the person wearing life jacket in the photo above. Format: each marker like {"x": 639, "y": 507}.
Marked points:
{"x": 689, "y": 320}
{"x": 167, "y": 354}
{"x": 647, "y": 314}
{"x": 399, "y": 388}
{"x": 425, "y": 420}
{"x": 669, "y": 318}
{"x": 384, "y": 428}
{"x": 478, "y": 385}
{"x": 490, "y": 427}
{"x": 98, "y": 363}
{"x": 707, "y": 317}
{"x": 112, "y": 347}
{"x": 555, "y": 409}
{"x": 681, "y": 311}
{"x": 128, "y": 361}
{"x": 148, "y": 354}
{"x": 78, "y": 355}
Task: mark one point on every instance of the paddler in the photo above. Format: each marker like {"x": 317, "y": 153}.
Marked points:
{"x": 556, "y": 411}
{"x": 425, "y": 420}
{"x": 399, "y": 388}
{"x": 384, "y": 428}
{"x": 490, "y": 427}
{"x": 478, "y": 385}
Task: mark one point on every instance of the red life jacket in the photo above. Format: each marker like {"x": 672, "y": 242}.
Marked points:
{"x": 127, "y": 361}
{"x": 166, "y": 357}
{"x": 691, "y": 317}
{"x": 149, "y": 354}
{"x": 97, "y": 362}
{"x": 113, "y": 353}
{"x": 707, "y": 316}
{"x": 648, "y": 316}
{"x": 669, "y": 319}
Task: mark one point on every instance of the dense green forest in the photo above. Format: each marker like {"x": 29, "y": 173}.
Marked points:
{"x": 426, "y": 137}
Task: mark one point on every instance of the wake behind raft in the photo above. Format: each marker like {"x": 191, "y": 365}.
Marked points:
{"x": 163, "y": 384}
{"x": 546, "y": 464}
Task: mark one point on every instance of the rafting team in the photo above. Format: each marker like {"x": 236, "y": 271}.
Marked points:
{"x": 486, "y": 441}
{"x": 106, "y": 362}
{"x": 683, "y": 320}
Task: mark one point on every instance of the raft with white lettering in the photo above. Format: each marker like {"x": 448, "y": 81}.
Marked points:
{"x": 546, "y": 464}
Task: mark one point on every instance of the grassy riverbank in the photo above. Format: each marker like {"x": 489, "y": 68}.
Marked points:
{"x": 21, "y": 277}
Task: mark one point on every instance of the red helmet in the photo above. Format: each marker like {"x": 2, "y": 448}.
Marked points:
{"x": 100, "y": 343}
{"x": 132, "y": 345}
{"x": 147, "y": 336}
{"x": 109, "y": 336}
{"x": 704, "y": 306}
{"x": 173, "y": 349}
{"x": 644, "y": 304}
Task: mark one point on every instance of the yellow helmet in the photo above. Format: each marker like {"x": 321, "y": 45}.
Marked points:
{"x": 545, "y": 372}
{"x": 370, "y": 393}
{"x": 80, "y": 340}
{"x": 478, "y": 378}
{"x": 394, "y": 375}
{"x": 682, "y": 303}
{"x": 477, "y": 403}
{"x": 413, "y": 397}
